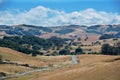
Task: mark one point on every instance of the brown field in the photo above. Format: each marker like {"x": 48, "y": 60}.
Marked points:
{"x": 91, "y": 67}
{"x": 12, "y": 69}
{"x": 21, "y": 58}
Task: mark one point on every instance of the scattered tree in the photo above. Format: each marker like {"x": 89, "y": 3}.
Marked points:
{"x": 79, "y": 50}
{"x": 64, "y": 52}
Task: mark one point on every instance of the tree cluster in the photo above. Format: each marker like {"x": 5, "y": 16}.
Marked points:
{"x": 67, "y": 51}
{"x": 31, "y": 44}
{"x": 110, "y": 50}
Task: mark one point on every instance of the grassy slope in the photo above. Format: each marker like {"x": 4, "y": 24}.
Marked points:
{"x": 21, "y": 58}
{"x": 12, "y": 55}
{"x": 91, "y": 67}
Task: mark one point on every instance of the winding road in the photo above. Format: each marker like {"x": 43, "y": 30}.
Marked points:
{"x": 74, "y": 61}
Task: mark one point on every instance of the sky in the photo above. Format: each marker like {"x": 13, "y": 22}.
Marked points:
{"x": 59, "y": 12}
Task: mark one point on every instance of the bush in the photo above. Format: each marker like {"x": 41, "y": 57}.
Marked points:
{"x": 72, "y": 53}
{"x": 64, "y": 52}
{"x": 2, "y": 74}
{"x": 55, "y": 53}
{"x": 79, "y": 50}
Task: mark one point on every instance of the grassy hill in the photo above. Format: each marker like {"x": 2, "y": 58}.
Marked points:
{"x": 12, "y": 55}
{"x": 70, "y": 31}
{"x": 91, "y": 67}
{"x": 22, "y": 59}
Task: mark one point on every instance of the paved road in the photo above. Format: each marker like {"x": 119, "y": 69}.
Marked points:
{"x": 74, "y": 59}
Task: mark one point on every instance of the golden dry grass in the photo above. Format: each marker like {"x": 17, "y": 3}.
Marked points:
{"x": 21, "y": 58}
{"x": 12, "y": 69}
{"x": 12, "y": 55}
{"x": 91, "y": 67}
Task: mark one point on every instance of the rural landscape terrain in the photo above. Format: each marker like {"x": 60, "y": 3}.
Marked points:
{"x": 74, "y": 52}
{"x": 59, "y": 40}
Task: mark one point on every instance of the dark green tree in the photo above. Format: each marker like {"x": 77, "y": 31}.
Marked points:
{"x": 79, "y": 39}
{"x": 79, "y": 50}
{"x": 64, "y": 52}
{"x": 106, "y": 49}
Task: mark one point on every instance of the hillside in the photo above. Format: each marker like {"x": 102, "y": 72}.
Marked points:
{"x": 34, "y": 46}
{"x": 36, "y": 41}
{"x": 92, "y": 67}
{"x": 91, "y": 37}
{"x": 70, "y": 31}
{"x": 17, "y": 62}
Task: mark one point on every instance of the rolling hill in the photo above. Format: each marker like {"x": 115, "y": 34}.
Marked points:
{"x": 16, "y": 62}
{"x": 70, "y": 31}
{"x": 92, "y": 67}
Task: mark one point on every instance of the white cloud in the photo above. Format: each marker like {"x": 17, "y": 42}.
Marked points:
{"x": 48, "y": 17}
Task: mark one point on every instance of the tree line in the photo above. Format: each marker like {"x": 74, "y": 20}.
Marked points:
{"x": 33, "y": 45}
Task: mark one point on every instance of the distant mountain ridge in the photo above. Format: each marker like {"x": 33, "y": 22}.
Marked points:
{"x": 70, "y": 31}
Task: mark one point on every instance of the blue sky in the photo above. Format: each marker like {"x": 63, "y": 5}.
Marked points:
{"x": 65, "y": 5}
{"x": 59, "y": 12}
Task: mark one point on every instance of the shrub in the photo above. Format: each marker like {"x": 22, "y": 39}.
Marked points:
{"x": 79, "y": 50}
